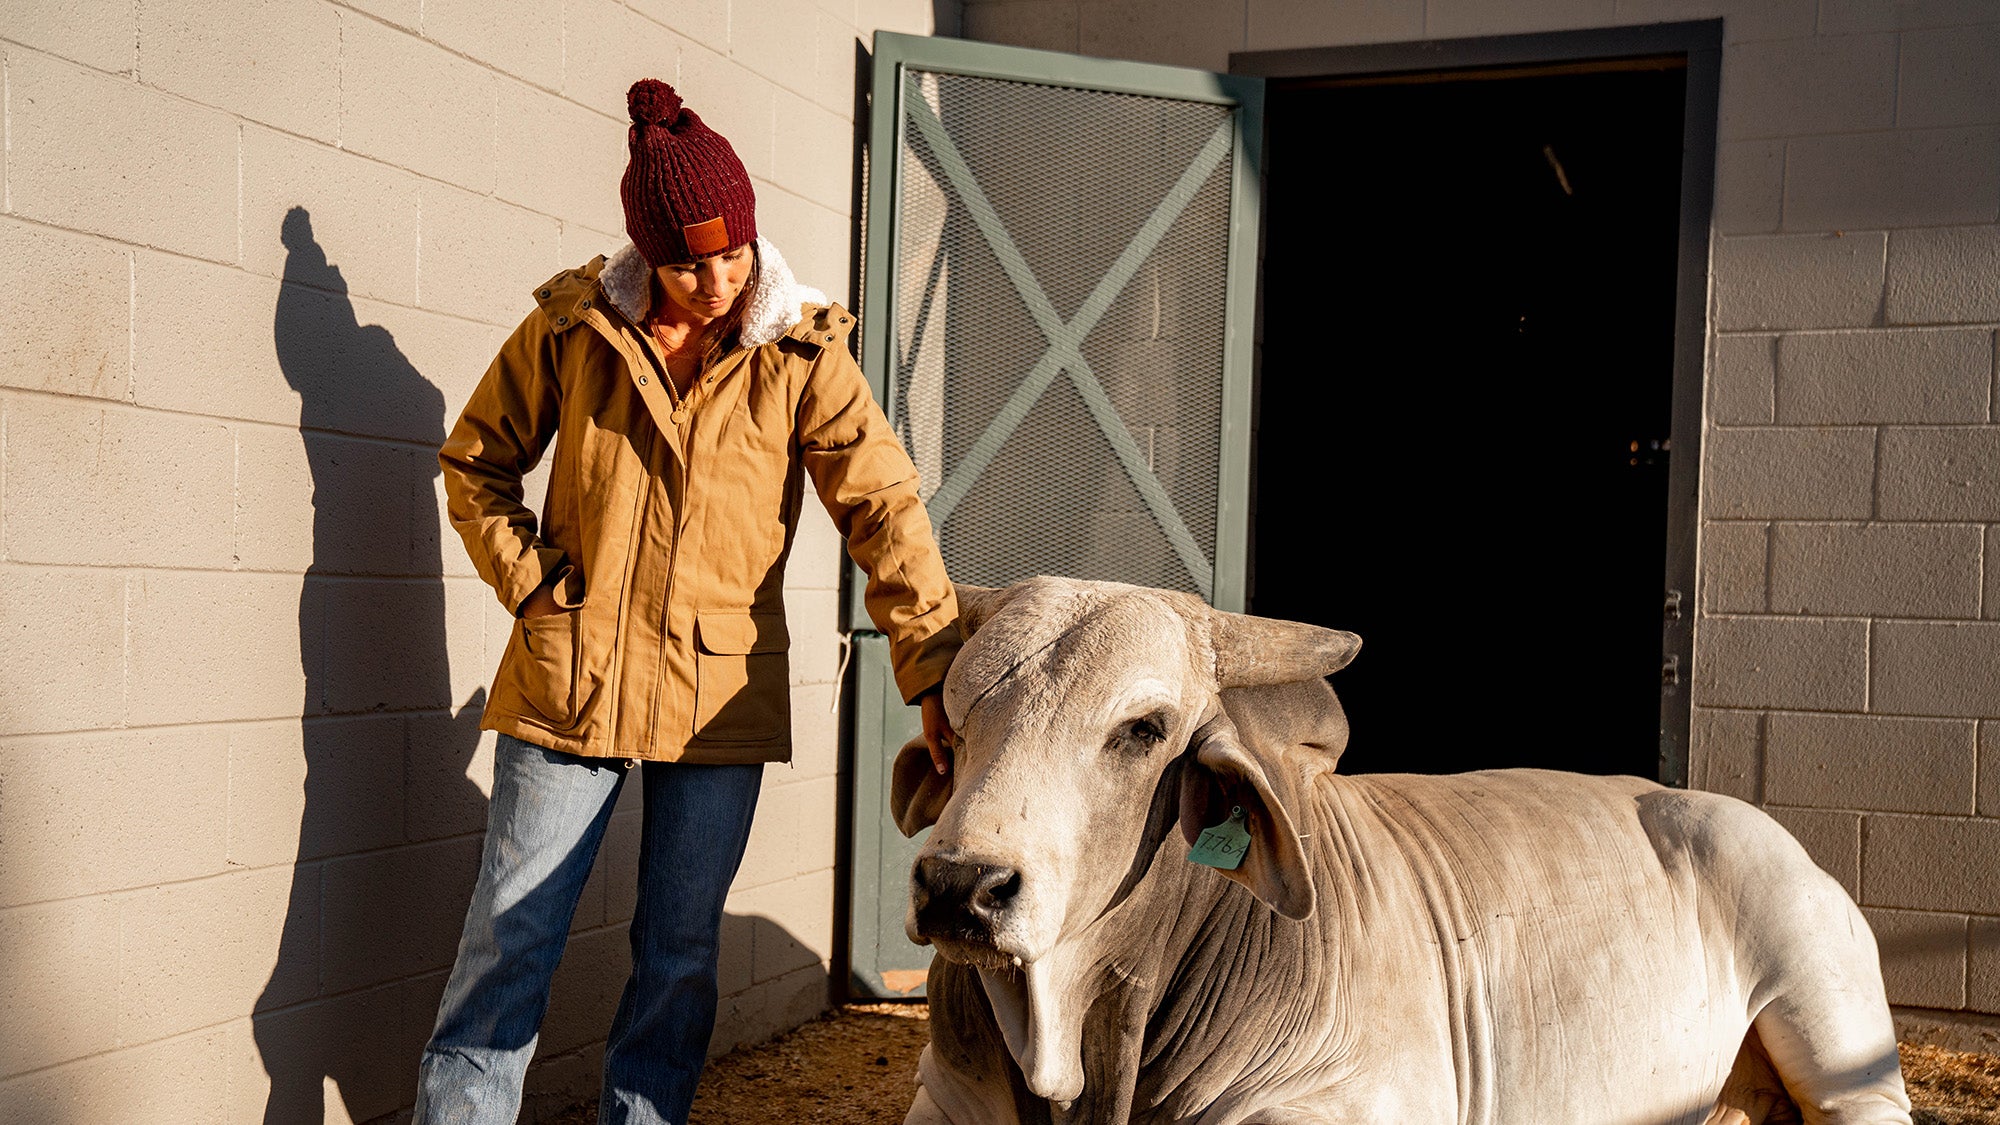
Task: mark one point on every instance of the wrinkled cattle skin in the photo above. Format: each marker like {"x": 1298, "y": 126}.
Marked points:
{"x": 1510, "y": 946}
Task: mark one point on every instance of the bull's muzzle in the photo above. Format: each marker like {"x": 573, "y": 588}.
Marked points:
{"x": 961, "y": 900}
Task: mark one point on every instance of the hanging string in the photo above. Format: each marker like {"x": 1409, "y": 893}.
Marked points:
{"x": 840, "y": 672}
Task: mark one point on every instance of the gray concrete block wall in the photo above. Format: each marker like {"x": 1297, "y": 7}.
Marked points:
{"x": 1846, "y": 675}
{"x": 253, "y": 258}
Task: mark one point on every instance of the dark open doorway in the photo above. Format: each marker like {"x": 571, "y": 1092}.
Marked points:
{"x": 1465, "y": 403}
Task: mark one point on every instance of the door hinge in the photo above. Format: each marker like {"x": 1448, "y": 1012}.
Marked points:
{"x": 1670, "y": 672}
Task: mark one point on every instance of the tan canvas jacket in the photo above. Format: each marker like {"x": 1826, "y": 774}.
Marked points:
{"x": 667, "y": 526}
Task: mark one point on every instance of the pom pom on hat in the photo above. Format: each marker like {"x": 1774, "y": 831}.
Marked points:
{"x": 653, "y": 102}
{"x": 686, "y": 194}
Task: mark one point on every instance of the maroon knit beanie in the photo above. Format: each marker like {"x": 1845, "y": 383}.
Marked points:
{"x": 686, "y": 194}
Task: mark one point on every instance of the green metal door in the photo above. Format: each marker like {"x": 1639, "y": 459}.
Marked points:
{"x": 1060, "y": 284}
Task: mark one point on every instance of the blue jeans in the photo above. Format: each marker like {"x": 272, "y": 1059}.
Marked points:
{"x": 548, "y": 815}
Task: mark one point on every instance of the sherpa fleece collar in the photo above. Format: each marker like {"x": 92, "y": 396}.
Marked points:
{"x": 774, "y": 304}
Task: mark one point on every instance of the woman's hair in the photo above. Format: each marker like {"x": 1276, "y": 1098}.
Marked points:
{"x": 720, "y": 336}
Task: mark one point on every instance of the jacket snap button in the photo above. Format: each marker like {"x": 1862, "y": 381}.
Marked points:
{"x": 562, "y": 320}
{"x": 843, "y": 320}
{"x": 829, "y": 339}
{"x": 586, "y": 304}
{"x": 545, "y": 294}
{"x": 642, "y": 380}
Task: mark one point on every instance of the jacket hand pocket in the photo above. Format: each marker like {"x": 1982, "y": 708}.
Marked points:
{"x": 742, "y": 677}
{"x": 545, "y": 673}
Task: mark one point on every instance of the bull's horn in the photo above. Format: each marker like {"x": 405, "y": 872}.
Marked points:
{"x": 978, "y": 603}
{"x": 1256, "y": 651}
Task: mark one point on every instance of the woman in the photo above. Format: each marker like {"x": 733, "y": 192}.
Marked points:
{"x": 690, "y": 387}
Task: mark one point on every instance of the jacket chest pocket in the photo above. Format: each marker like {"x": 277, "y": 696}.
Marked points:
{"x": 742, "y": 677}
{"x": 545, "y": 672}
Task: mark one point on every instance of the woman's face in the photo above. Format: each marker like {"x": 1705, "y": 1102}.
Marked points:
{"x": 705, "y": 290}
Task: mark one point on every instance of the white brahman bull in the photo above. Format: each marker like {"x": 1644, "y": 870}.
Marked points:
{"x": 1508, "y": 946}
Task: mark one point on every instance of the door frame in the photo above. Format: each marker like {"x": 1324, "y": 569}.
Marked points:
{"x": 1700, "y": 42}
{"x": 875, "y": 858}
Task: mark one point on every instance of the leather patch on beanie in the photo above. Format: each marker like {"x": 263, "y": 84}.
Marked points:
{"x": 711, "y": 237}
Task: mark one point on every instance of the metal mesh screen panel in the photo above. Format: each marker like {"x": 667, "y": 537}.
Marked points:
{"x": 1057, "y": 369}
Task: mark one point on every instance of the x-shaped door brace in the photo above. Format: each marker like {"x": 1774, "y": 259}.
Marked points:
{"x": 1065, "y": 350}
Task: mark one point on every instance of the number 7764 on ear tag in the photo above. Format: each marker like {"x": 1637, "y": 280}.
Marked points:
{"x": 1224, "y": 845}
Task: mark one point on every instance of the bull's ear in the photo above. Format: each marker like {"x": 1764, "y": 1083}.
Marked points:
{"x": 1254, "y": 651}
{"x": 1220, "y": 776}
{"x": 978, "y": 603}
{"x": 916, "y": 793}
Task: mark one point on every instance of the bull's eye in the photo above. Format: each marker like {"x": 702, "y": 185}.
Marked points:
{"x": 1140, "y": 734}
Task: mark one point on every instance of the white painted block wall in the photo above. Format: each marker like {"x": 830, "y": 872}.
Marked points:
{"x": 253, "y": 258}
{"x": 1849, "y": 633}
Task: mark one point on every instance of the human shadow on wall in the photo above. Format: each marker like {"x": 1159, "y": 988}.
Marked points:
{"x": 388, "y": 840}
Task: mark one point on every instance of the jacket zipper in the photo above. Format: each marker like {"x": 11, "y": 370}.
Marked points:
{"x": 676, "y": 507}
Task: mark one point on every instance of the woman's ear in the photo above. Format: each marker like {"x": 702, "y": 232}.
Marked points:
{"x": 1221, "y": 776}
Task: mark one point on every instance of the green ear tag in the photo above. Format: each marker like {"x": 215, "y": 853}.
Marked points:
{"x": 1224, "y": 845}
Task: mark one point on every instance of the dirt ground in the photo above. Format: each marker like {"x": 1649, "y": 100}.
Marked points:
{"x": 856, "y": 1066}
{"x": 1952, "y": 1087}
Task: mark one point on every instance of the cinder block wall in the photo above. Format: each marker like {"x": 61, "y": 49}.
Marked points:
{"x": 253, "y": 258}
{"x": 1847, "y": 665}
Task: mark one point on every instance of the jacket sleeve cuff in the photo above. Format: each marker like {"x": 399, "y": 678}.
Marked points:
{"x": 535, "y": 569}
{"x": 922, "y": 665}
